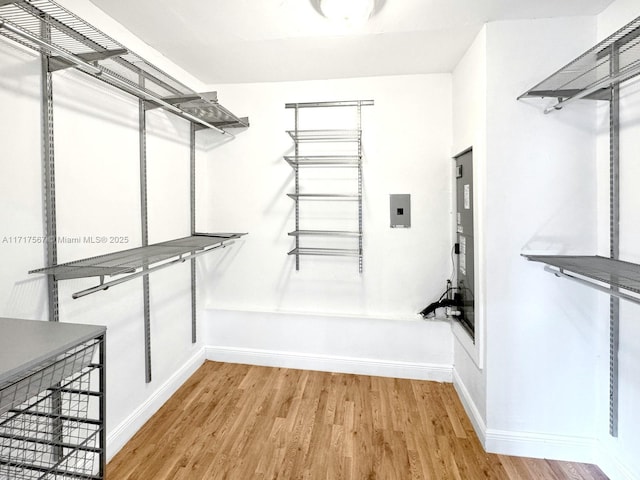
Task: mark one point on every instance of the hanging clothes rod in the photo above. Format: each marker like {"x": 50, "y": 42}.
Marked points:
{"x": 618, "y": 78}
{"x": 608, "y": 291}
{"x": 104, "y": 286}
{"x": 98, "y": 72}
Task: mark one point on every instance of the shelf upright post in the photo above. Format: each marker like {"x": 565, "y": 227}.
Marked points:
{"x": 48, "y": 175}
{"x": 360, "y": 253}
{"x": 297, "y": 191}
{"x": 50, "y": 217}
{"x": 192, "y": 168}
{"x": 144, "y": 223}
{"x": 614, "y": 235}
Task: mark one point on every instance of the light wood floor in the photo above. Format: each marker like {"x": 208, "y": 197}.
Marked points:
{"x": 246, "y": 422}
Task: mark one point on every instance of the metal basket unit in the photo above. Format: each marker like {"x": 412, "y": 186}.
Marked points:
{"x": 51, "y": 424}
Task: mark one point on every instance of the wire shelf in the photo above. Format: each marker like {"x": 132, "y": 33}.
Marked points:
{"x": 590, "y": 75}
{"x": 323, "y": 196}
{"x": 127, "y": 261}
{"x": 326, "y": 252}
{"x": 338, "y": 103}
{"x": 138, "y": 261}
{"x": 324, "y": 161}
{"x": 615, "y": 273}
{"x": 69, "y": 41}
{"x": 325, "y": 233}
{"x": 308, "y": 136}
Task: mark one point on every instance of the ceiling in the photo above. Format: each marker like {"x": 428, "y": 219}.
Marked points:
{"x": 236, "y": 41}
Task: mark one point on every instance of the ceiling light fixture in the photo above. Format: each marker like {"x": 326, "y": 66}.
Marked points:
{"x": 352, "y": 12}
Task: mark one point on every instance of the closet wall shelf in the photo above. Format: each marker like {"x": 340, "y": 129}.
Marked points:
{"x": 136, "y": 262}
{"x": 70, "y": 42}
{"x": 324, "y": 161}
{"x": 604, "y": 274}
{"x": 326, "y": 252}
{"x": 302, "y": 136}
{"x": 338, "y": 103}
{"x": 325, "y": 233}
{"x": 592, "y": 74}
{"x": 324, "y": 196}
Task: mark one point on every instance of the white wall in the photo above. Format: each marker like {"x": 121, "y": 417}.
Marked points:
{"x": 620, "y": 458}
{"x": 541, "y": 191}
{"x": 98, "y": 194}
{"x": 406, "y": 143}
{"x": 21, "y": 295}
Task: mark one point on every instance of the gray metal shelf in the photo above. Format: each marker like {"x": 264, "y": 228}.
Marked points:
{"x": 336, "y": 103}
{"x": 138, "y": 261}
{"x": 324, "y": 161}
{"x": 52, "y": 400}
{"x": 308, "y": 136}
{"x": 324, "y": 233}
{"x": 326, "y": 252}
{"x": 324, "y": 196}
{"x": 69, "y": 41}
{"x": 610, "y": 62}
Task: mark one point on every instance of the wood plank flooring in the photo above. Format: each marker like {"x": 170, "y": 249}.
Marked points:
{"x": 245, "y": 422}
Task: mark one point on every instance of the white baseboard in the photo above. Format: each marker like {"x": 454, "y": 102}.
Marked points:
{"x": 541, "y": 445}
{"x": 524, "y": 444}
{"x": 327, "y": 363}
{"x": 120, "y": 435}
{"x": 613, "y": 466}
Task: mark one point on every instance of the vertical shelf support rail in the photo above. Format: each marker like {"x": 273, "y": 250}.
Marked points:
{"x": 144, "y": 225}
{"x": 48, "y": 175}
{"x": 614, "y": 235}
{"x": 192, "y": 182}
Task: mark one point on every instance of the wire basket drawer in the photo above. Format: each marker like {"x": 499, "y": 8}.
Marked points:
{"x": 49, "y": 419}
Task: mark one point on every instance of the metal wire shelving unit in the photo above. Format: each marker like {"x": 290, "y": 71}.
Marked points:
{"x": 597, "y": 75}
{"x": 352, "y": 160}
{"x": 52, "y": 400}
{"x": 65, "y": 41}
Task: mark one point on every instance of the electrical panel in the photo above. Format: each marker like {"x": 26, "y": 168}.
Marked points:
{"x": 400, "y": 210}
{"x": 465, "y": 238}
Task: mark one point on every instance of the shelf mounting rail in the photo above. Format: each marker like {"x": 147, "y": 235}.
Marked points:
{"x": 82, "y": 46}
